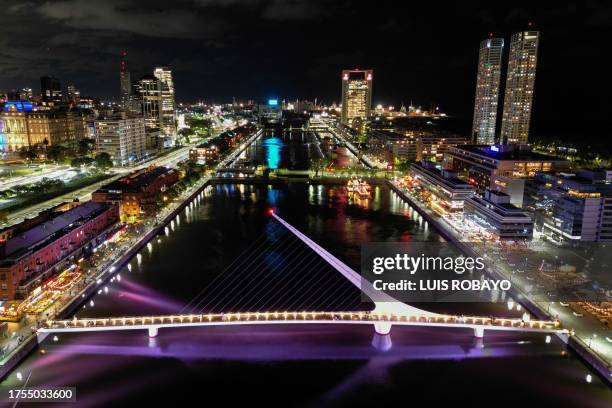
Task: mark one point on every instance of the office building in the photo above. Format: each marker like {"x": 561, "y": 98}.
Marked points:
{"x": 125, "y": 82}
{"x": 433, "y": 146}
{"x": 167, "y": 109}
{"x": 31, "y": 254}
{"x": 121, "y": 136}
{"x": 24, "y": 126}
{"x": 497, "y": 218}
{"x": 446, "y": 193}
{"x": 148, "y": 97}
{"x": 26, "y": 94}
{"x": 500, "y": 167}
{"x": 520, "y": 81}
{"x": 51, "y": 90}
{"x": 572, "y": 206}
{"x": 73, "y": 95}
{"x": 356, "y": 97}
{"x": 487, "y": 90}
{"x": 387, "y": 146}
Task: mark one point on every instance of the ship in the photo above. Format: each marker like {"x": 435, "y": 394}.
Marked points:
{"x": 359, "y": 188}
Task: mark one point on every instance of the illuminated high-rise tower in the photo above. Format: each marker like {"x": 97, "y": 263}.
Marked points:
{"x": 167, "y": 111}
{"x": 51, "y": 90}
{"x": 124, "y": 81}
{"x": 519, "y": 87}
{"x": 487, "y": 90}
{"x": 356, "y": 97}
{"x": 147, "y": 94}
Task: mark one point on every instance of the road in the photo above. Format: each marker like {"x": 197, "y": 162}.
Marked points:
{"x": 84, "y": 194}
{"x": 50, "y": 172}
{"x": 586, "y": 327}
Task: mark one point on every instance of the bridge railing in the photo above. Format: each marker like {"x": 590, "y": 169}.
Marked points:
{"x": 288, "y": 316}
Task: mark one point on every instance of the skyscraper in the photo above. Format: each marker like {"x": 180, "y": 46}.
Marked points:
{"x": 167, "y": 114}
{"x": 487, "y": 90}
{"x": 148, "y": 95}
{"x": 124, "y": 81}
{"x": 73, "y": 94}
{"x": 356, "y": 97}
{"x": 50, "y": 89}
{"x": 519, "y": 87}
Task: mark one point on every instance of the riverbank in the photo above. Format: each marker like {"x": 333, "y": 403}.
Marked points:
{"x": 586, "y": 354}
{"x": 31, "y": 343}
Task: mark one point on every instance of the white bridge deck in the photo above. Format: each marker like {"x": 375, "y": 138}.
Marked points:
{"x": 227, "y": 319}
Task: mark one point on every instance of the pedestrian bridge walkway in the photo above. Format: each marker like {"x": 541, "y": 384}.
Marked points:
{"x": 381, "y": 322}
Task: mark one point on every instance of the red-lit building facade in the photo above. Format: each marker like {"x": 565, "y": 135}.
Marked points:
{"x": 41, "y": 250}
{"x": 137, "y": 193}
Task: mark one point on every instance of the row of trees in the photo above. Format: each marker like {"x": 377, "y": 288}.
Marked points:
{"x": 192, "y": 172}
{"x": 58, "y": 153}
{"x": 101, "y": 161}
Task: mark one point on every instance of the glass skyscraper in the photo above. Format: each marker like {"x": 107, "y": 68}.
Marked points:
{"x": 487, "y": 90}
{"x": 519, "y": 87}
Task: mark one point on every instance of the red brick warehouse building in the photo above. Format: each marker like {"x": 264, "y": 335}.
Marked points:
{"x": 137, "y": 193}
{"x": 35, "y": 253}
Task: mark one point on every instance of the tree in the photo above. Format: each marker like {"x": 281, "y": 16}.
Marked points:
{"x": 27, "y": 153}
{"x": 86, "y": 146}
{"x": 57, "y": 153}
{"x": 103, "y": 160}
{"x": 319, "y": 164}
{"x": 82, "y": 161}
{"x": 186, "y": 132}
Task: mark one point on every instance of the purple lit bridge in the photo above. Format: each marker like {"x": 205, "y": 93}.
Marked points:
{"x": 387, "y": 313}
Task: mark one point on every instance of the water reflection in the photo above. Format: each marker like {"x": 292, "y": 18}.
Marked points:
{"x": 334, "y": 363}
{"x": 273, "y": 147}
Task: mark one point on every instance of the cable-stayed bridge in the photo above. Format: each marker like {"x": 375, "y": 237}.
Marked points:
{"x": 387, "y": 311}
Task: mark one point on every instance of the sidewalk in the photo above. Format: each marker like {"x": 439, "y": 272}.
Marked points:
{"x": 590, "y": 336}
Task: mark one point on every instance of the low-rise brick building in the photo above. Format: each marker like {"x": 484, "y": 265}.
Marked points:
{"x": 137, "y": 193}
{"x": 33, "y": 254}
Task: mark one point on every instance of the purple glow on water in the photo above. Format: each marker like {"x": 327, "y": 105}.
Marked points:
{"x": 157, "y": 303}
{"x": 312, "y": 365}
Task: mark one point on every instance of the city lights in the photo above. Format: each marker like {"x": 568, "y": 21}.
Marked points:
{"x": 199, "y": 200}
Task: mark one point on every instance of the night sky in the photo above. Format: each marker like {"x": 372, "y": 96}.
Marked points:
{"x": 424, "y": 53}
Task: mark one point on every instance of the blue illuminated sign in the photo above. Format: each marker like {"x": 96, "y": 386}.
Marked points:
{"x": 18, "y": 105}
{"x": 494, "y": 148}
{"x": 272, "y": 102}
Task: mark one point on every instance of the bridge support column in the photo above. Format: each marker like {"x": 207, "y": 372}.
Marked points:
{"x": 153, "y": 331}
{"x": 479, "y": 332}
{"x": 382, "y": 343}
{"x": 382, "y": 328}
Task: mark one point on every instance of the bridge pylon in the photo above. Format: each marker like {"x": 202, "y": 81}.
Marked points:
{"x": 382, "y": 328}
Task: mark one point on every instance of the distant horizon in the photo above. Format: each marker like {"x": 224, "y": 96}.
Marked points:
{"x": 262, "y": 48}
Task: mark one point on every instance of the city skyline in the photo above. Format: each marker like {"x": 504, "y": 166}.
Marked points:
{"x": 304, "y": 203}
{"x": 407, "y": 69}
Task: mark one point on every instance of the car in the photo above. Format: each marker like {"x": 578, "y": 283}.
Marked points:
{"x": 577, "y": 314}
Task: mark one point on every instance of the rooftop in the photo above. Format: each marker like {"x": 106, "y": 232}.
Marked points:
{"x": 52, "y": 229}
{"x": 507, "y": 152}
{"x": 444, "y": 177}
{"x": 136, "y": 181}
